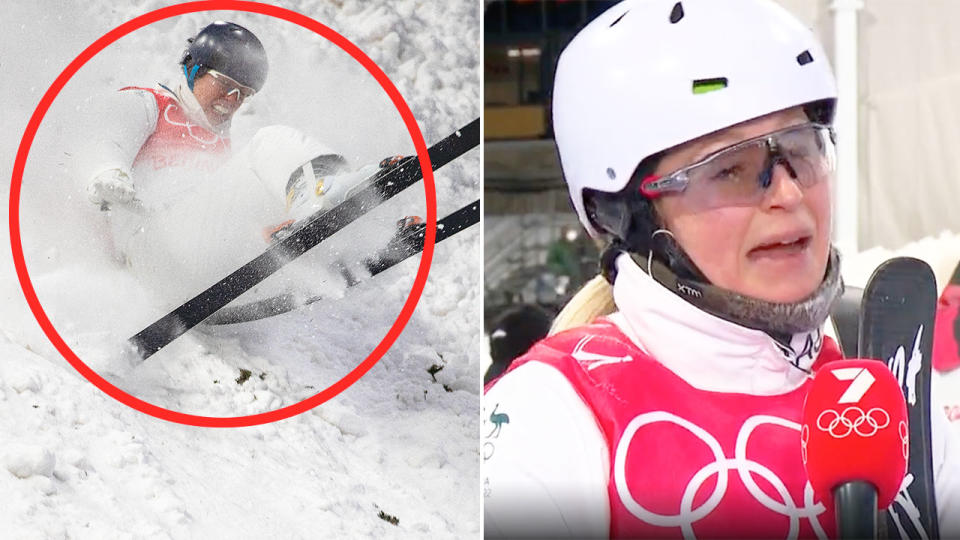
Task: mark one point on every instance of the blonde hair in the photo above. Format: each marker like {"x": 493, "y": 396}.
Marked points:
{"x": 594, "y": 299}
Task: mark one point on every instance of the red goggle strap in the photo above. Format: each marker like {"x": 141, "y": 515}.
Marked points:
{"x": 645, "y": 186}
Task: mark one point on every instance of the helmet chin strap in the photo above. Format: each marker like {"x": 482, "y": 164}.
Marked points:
{"x": 670, "y": 266}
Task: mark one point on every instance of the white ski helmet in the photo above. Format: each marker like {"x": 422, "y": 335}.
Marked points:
{"x": 648, "y": 75}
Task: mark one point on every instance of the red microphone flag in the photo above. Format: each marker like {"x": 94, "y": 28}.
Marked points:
{"x": 855, "y": 429}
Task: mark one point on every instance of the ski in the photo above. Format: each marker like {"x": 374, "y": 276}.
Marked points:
{"x": 896, "y": 327}
{"x": 845, "y": 316}
{"x": 314, "y": 229}
{"x": 394, "y": 254}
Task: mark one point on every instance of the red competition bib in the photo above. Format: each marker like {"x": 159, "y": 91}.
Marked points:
{"x": 689, "y": 462}
{"x": 177, "y": 142}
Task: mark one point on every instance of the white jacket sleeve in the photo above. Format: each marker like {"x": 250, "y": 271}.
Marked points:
{"x": 946, "y": 472}
{"x": 115, "y": 128}
{"x": 545, "y": 459}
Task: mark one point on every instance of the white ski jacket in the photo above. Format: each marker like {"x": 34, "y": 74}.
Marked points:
{"x": 547, "y": 464}
{"x": 122, "y": 121}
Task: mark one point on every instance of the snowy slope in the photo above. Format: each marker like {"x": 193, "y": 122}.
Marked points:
{"x": 76, "y": 463}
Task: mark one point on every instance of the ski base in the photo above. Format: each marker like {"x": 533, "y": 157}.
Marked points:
{"x": 896, "y": 327}
{"x": 314, "y": 230}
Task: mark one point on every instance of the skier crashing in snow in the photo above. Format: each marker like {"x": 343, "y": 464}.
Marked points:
{"x": 696, "y": 139}
{"x": 184, "y": 129}
{"x": 168, "y": 151}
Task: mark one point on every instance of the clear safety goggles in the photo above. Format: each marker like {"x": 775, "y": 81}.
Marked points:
{"x": 740, "y": 174}
{"x": 229, "y": 87}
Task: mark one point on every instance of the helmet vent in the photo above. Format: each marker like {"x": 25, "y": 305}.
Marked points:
{"x": 804, "y": 58}
{"x": 611, "y": 174}
{"x": 676, "y": 13}
{"x": 704, "y": 86}
{"x": 618, "y": 18}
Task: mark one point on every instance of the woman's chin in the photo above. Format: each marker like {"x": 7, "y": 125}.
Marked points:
{"x": 783, "y": 291}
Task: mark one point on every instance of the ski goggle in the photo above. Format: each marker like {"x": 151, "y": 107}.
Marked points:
{"x": 740, "y": 174}
{"x": 230, "y": 87}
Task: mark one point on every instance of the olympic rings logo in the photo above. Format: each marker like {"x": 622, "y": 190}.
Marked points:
{"x": 189, "y": 126}
{"x": 904, "y": 440}
{"x": 804, "y": 439}
{"x": 809, "y": 509}
{"x": 853, "y": 420}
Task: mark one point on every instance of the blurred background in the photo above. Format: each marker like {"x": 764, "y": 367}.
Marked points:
{"x": 535, "y": 250}
{"x": 897, "y": 189}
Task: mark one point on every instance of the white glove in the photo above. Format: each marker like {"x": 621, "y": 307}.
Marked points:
{"x": 112, "y": 186}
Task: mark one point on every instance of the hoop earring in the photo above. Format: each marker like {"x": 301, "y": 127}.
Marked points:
{"x": 650, "y": 251}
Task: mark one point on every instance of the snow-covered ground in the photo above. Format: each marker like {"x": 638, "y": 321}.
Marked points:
{"x": 401, "y": 442}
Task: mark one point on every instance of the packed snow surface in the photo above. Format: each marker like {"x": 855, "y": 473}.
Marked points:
{"x": 395, "y": 455}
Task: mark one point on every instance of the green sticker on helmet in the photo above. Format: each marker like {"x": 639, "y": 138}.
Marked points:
{"x": 703, "y": 86}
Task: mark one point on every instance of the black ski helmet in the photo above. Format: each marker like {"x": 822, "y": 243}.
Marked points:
{"x": 229, "y": 49}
